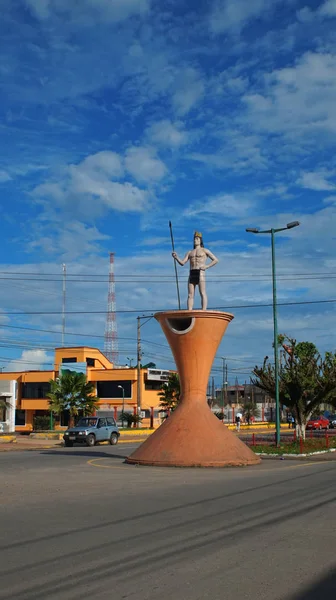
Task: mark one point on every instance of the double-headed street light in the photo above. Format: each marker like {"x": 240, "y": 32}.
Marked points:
{"x": 123, "y": 405}
{"x": 275, "y": 318}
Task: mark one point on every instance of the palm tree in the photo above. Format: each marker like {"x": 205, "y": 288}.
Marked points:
{"x": 170, "y": 394}
{"x": 250, "y": 410}
{"x": 72, "y": 392}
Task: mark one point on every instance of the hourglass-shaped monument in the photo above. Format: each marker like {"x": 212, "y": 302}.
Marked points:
{"x": 192, "y": 436}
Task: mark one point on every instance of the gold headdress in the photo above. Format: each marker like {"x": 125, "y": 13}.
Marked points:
{"x": 197, "y": 234}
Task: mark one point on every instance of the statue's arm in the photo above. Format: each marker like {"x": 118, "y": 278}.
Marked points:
{"x": 213, "y": 258}
{"x": 183, "y": 261}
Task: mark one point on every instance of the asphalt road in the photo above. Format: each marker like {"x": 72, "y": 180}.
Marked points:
{"x": 79, "y": 523}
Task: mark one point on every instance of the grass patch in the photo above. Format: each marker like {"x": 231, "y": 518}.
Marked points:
{"x": 309, "y": 445}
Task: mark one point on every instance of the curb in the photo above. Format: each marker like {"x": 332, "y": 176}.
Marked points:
{"x": 295, "y": 456}
{"x": 8, "y": 439}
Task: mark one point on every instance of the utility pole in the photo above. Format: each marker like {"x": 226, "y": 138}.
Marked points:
{"x": 63, "y": 304}
{"x": 139, "y": 355}
{"x": 223, "y": 386}
{"x": 226, "y": 384}
{"x": 139, "y": 367}
{"x": 213, "y": 391}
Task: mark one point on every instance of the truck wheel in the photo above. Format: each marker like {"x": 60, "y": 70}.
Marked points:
{"x": 68, "y": 444}
{"x": 90, "y": 440}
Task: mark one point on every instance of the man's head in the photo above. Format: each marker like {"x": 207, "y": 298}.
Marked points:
{"x": 198, "y": 239}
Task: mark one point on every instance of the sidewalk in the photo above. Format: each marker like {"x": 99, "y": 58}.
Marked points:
{"x": 25, "y": 443}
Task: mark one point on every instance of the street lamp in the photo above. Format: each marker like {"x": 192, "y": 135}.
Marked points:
{"x": 224, "y": 383}
{"x": 275, "y": 318}
{"x": 123, "y": 404}
{"x": 130, "y": 362}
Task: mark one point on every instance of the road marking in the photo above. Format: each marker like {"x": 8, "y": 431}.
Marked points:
{"x": 93, "y": 462}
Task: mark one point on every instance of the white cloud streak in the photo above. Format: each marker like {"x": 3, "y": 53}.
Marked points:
{"x": 30, "y": 360}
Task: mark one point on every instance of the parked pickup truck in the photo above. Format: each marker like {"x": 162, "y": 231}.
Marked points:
{"x": 92, "y": 430}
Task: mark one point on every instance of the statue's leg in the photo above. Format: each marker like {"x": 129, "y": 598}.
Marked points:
{"x": 191, "y": 295}
{"x": 204, "y": 297}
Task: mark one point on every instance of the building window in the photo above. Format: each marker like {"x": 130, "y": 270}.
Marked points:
{"x": 35, "y": 390}
{"x": 69, "y": 360}
{"x": 20, "y": 417}
{"x": 90, "y": 362}
{"x": 153, "y": 385}
{"x": 110, "y": 389}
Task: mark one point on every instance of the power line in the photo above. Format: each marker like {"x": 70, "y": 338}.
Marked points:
{"x": 103, "y": 275}
{"x": 86, "y": 335}
{"x": 147, "y": 310}
{"x": 150, "y": 279}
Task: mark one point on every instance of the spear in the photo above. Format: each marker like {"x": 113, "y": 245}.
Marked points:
{"x": 177, "y": 282}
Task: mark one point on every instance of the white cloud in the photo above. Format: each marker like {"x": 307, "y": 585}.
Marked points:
{"x": 166, "y": 133}
{"x": 238, "y": 151}
{"x": 155, "y": 241}
{"x": 297, "y": 100}
{"x": 330, "y": 200}
{"x": 143, "y": 164}
{"x": 30, "y": 360}
{"x": 230, "y": 15}
{"x": 305, "y": 15}
{"x": 233, "y": 15}
{"x": 70, "y": 241}
{"x": 328, "y": 9}
{"x": 89, "y": 187}
{"x": 105, "y": 162}
{"x": 317, "y": 181}
{"x": 4, "y": 176}
{"x": 221, "y": 205}
{"x": 189, "y": 90}
{"x": 99, "y": 10}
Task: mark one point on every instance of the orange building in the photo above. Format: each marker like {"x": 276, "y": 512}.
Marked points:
{"x": 115, "y": 387}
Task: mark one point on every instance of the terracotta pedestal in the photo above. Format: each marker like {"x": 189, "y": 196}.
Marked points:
{"x": 192, "y": 436}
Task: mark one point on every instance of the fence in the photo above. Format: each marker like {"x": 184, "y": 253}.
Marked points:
{"x": 315, "y": 440}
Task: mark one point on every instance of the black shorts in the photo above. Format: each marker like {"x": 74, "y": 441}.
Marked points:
{"x": 194, "y": 276}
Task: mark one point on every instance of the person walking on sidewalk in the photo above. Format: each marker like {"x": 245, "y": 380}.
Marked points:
{"x": 238, "y": 417}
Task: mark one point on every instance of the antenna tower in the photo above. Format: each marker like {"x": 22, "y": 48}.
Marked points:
{"x": 111, "y": 335}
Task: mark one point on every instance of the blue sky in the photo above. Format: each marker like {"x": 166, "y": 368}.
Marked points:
{"x": 120, "y": 115}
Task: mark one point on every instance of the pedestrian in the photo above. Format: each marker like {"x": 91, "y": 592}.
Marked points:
{"x": 289, "y": 420}
{"x": 238, "y": 422}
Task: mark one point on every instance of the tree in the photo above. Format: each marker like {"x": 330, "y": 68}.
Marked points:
{"x": 306, "y": 380}
{"x": 130, "y": 418}
{"x": 250, "y": 410}
{"x": 72, "y": 392}
{"x": 170, "y": 394}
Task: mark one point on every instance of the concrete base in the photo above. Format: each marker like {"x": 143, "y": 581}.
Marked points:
{"x": 197, "y": 440}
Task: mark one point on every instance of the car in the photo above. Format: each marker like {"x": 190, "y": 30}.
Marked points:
{"x": 332, "y": 421}
{"x": 92, "y": 430}
{"x": 318, "y": 423}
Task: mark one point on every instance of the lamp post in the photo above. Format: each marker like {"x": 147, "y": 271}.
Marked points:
{"x": 123, "y": 404}
{"x": 130, "y": 361}
{"x": 224, "y": 384}
{"x": 273, "y": 231}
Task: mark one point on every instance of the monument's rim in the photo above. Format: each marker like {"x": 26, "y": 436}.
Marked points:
{"x": 195, "y": 314}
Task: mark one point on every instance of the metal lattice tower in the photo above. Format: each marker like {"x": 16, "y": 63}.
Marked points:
{"x": 111, "y": 335}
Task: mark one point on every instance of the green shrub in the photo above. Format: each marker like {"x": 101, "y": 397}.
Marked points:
{"x": 41, "y": 423}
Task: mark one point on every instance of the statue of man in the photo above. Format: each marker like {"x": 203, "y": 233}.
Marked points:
{"x": 197, "y": 258}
